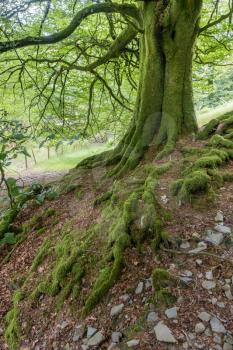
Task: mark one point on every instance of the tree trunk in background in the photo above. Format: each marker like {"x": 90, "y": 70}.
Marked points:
{"x": 164, "y": 108}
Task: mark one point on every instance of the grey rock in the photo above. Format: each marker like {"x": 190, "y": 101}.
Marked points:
{"x": 218, "y": 347}
{"x": 171, "y": 313}
{"x": 199, "y": 262}
{"x": 191, "y": 336}
{"x": 186, "y": 276}
{"x": 221, "y": 305}
{"x": 217, "y": 339}
{"x": 209, "y": 275}
{"x": 219, "y": 217}
{"x": 139, "y": 288}
{"x": 125, "y": 298}
{"x": 215, "y": 238}
{"x": 204, "y": 316}
{"x": 200, "y": 248}
{"x": 185, "y": 245}
{"x": 199, "y": 328}
{"x": 217, "y": 325}
{"x": 226, "y": 287}
{"x": 63, "y": 325}
{"x": 133, "y": 343}
{"x": 152, "y": 317}
{"x": 208, "y": 332}
{"x": 116, "y": 310}
{"x": 96, "y": 339}
{"x": 148, "y": 283}
{"x": 116, "y": 337}
{"x": 229, "y": 295}
{"x": 91, "y": 331}
{"x": 223, "y": 229}
{"x": 227, "y": 346}
{"x": 78, "y": 333}
{"x": 163, "y": 333}
{"x": 208, "y": 284}
{"x": 228, "y": 338}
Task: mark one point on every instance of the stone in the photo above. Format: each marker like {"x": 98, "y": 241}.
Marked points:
{"x": 223, "y": 229}
{"x": 215, "y": 238}
{"x": 139, "y": 288}
{"x": 208, "y": 332}
{"x": 204, "y": 316}
{"x": 217, "y": 339}
{"x": 226, "y": 287}
{"x": 229, "y": 338}
{"x": 199, "y": 262}
{"x": 148, "y": 283}
{"x": 221, "y": 305}
{"x": 90, "y": 331}
{"x": 133, "y": 343}
{"x": 219, "y": 217}
{"x": 186, "y": 276}
{"x": 199, "y": 328}
{"x": 125, "y": 298}
{"x": 209, "y": 275}
{"x": 200, "y": 248}
{"x": 217, "y": 326}
{"x": 116, "y": 337}
{"x": 96, "y": 339}
{"x": 185, "y": 245}
{"x": 208, "y": 284}
{"x": 227, "y": 346}
{"x": 229, "y": 295}
{"x": 63, "y": 325}
{"x": 163, "y": 333}
{"x": 79, "y": 332}
{"x": 171, "y": 313}
{"x": 116, "y": 310}
{"x": 152, "y": 317}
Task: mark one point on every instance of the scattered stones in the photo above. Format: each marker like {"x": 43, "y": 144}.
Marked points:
{"x": 78, "y": 332}
{"x": 199, "y": 262}
{"x": 219, "y": 217}
{"x": 90, "y": 331}
{"x": 229, "y": 295}
{"x": 163, "y": 333}
{"x": 215, "y": 238}
{"x": 221, "y": 305}
{"x": 113, "y": 346}
{"x": 223, "y": 229}
{"x": 63, "y": 325}
{"x": 217, "y": 326}
{"x": 199, "y": 328}
{"x": 185, "y": 245}
{"x": 133, "y": 343}
{"x": 171, "y": 313}
{"x": 208, "y": 332}
{"x": 152, "y": 317}
{"x": 116, "y": 310}
{"x": 208, "y": 284}
{"x": 116, "y": 337}
{"x": 96, "y": 340}
{"x": 227, "y": 346}
{"x": 204, "y": 316}
{"x": 139, "y": 288}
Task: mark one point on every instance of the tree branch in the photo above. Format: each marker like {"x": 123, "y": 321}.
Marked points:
{"x": 124, "y": 9}
{"x": 217, "y": 21}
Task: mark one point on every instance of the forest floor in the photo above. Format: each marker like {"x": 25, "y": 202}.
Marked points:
{"x": 126, "y": 318}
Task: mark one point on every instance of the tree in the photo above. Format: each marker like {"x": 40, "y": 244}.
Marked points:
{"x": 164, "y": 109}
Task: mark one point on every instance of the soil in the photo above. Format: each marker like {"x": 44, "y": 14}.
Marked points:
{"x": 45, "y": 328}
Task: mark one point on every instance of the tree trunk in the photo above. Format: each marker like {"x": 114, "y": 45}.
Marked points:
{"x": 164, "y": 109}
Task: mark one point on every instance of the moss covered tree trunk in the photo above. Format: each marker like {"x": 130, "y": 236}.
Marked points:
{"x": 164, "y": 108}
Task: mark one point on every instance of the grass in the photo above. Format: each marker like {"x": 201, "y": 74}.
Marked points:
{"x": 61, "y": 162}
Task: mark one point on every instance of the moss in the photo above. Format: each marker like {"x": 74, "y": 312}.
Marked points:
{"x": 103, "y": 198}
{"x": 220, "y": 141}
{"x": 13, "y": 329}
{"x": 227, "y": 176}
{"x": 208, "y": 162}
{"x": 41, "y": 254}
{"x": 208, "y": 129}
{"x": 163, "y": 297}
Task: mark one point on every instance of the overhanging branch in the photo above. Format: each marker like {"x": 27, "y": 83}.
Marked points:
{"x": 124, "y": 9}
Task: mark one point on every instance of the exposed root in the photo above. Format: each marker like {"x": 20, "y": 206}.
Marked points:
{"x": 219, "y": 126}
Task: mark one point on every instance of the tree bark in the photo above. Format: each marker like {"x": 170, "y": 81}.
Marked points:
{"x": 164, "y": 109}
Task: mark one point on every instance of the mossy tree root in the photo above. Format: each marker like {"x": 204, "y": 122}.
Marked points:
{"x": 220, "y": 126}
